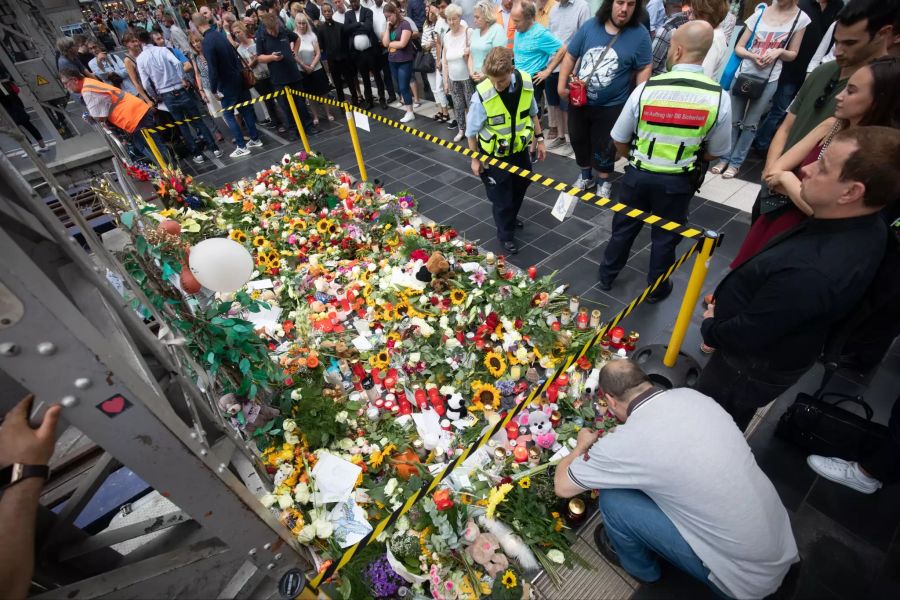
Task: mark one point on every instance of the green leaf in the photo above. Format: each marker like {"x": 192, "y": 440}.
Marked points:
{"x": 141, "y": 245}
{"x": 127, "y": 219}
{"x": 244, "y": 365}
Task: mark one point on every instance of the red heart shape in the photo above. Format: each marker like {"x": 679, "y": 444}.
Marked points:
{"x": 113, "y": 406}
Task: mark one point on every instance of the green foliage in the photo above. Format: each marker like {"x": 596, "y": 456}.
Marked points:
{"x": 314, "y": 413}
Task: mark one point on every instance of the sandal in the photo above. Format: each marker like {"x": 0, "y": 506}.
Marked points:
{"x": 437, "y": 116}
{"x": 331, "y": 117}
{"x": 730, "y": 172}
{"x": 316, "y": 122}
{"x": 716, "y": 170}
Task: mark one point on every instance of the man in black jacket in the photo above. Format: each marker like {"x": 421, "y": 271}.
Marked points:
{"x": 771, "y": 315}
{"x": 225, "y": 78}
{"x": 365, "y": 48}
{"x": 334, "y": 45}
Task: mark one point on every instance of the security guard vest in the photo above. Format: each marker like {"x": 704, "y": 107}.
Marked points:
{"x": 675, "y": 113}
{"x": 127, "y": 110}
{"x": 504, "y": 134}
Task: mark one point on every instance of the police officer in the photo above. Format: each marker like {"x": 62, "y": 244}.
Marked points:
{"x": 503, "y": 122}
{"x": 668, "y": 126}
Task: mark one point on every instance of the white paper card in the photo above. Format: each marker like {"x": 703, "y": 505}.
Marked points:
{"x": 361, "y": 120}
{"x": 564, "y": 207}
{"x": 260, "y": 284}
{"x": 334, "y": 478}
{"x": 560, "y": 454}
{"x": 267, "y": 318}
{"x": 350, "y": 524}
{"x": 362, "y": 344}
{"x": 362, "y": 326}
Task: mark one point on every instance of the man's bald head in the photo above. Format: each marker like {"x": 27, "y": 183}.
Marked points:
{"x": 690, "y": 43}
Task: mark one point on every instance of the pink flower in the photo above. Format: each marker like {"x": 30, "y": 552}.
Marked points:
{"x": 477, "y": 277}
{"x": 292, "y": 239}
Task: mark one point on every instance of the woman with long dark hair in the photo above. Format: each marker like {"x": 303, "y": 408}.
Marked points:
{"x": 607, "y": 56}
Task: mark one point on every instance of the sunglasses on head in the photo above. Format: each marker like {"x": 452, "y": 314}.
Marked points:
{"x": 829, "y": 88}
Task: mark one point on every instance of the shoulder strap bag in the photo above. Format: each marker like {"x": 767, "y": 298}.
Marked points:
{"x": 577, "y": 87}
{"x": 248, "y": 77}
{"x": 734, "y": 62}
{"x": 751, "y": 86}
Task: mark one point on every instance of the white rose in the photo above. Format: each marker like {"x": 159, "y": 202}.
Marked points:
{"x": 285, "y": 501}
{"x": 324, "y": 528}
{"x": 301, "y": 493}
{"x": 341, "y": 417}
{"x": 291, "y": 438}
{"x": 296, "y": 395}
{"x": 306, "y": 534}
{"x": 556, "y": 556}
{"x": 268, "y": 500}
{"x": 391, "y": 486}
{"x": 345, "y": 444}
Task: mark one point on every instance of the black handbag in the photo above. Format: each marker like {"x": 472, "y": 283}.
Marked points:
{"x": 771, "y": 203}
{"x": 751, "y": 86}
{"x": 424, "y": 62}
{"x": 825, "y": 428}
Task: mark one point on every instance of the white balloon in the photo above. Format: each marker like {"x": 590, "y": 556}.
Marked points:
{"x": 221, "y": 264}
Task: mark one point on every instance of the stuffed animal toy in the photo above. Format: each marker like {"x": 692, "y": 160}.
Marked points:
{"x": 540, "y": 427}
{"x": 436, "y": 270}
{"x": 483, "y": 551}
{"x": 456, "y": 407}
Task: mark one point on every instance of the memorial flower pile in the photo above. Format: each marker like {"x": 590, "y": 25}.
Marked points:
{"x": 397, "y": 344}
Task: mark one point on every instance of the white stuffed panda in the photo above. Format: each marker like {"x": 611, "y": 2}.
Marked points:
{"x": 456, "y": 407}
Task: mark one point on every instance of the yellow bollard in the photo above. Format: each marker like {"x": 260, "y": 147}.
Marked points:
{"x": 155, "y": 150}
{"x": 691, "y": 295}
{"x": 354, "y": 136}
{"x": 290, "y": 99}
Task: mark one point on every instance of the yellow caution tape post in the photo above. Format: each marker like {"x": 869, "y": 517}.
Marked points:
{"x": 312, "y": 587}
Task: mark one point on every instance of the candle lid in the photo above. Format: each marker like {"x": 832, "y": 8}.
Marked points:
{"x": 576, "y": 506}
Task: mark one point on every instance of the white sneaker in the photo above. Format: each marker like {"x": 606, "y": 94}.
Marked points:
{"x": 459, "y": 137}
{"x": 583, "y": 184}
{"x": 843, "y": 472}
{"x": 604, "y": 188}
{"x": 254, "y": 144}
{"x": 199, "y": 159}
{"x": 218, "y": 153}
{"x": 409, "y": 116}
{"x": 239, "y": 152}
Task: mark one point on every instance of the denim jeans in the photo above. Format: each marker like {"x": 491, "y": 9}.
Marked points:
{"x": 745, "y": 116}
{"x": 639, "y": 530}
{"x": 783, "y": 97}
{"x": 182, "y": 105}
{"x": 140, "y": 144}
{"x": 230, "y": 98}
{"x": 299, "y": 102}
{"x": 402, "y": 71}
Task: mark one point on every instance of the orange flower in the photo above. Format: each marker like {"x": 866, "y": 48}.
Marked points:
{"x": 288, "y": 326}
{"x": 312, "y": 361}
{"x": 247, "y": 206}
{"x": 442, "y": 499}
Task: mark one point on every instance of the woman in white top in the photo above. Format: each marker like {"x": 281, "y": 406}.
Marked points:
{"x": 432, "y": 32}
{"x": 309, "y": 58}
{"x": 714, "y": 12}
{"x": 777, "y": 37}
{"x": 110, "y": 68}
{"x": 455, "y": 67}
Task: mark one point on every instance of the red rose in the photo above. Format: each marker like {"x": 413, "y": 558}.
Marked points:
{"x": 418, "y": 254}
{"x": 492, "y": 321}
{"x": 442, "y": 499}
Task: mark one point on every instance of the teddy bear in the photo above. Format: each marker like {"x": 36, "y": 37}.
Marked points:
{"x": 456, "y": 407}
{"x": 483, "y": 550}
{"x": 540, "y": 427}
{"x": 436, "y": 270}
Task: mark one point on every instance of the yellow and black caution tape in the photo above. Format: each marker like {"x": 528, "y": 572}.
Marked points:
{"x": 313, "y": 585}
{"x": 688, "y": 231}
{"x": 173, "y": 124}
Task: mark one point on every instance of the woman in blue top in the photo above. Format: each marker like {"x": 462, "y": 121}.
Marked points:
{"x": 486, "y": 34}
{"x": 609, "y": 53}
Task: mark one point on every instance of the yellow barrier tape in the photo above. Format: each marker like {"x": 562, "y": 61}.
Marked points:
{"x": 688, "y": 231}
{"x": 174, "y": 124}
{"x": 334, "y": 567}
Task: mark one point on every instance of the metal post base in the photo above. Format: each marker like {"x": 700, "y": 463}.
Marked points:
{"x": 683, "y": 374}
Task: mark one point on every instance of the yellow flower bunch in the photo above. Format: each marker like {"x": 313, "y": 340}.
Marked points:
{"x": 497, "y": 496}
{"x": 238, "y": 236}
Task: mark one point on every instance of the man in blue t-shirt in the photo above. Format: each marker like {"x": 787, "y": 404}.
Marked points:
{"x": 612, "y": 51}
{"x": 536, "y": 51}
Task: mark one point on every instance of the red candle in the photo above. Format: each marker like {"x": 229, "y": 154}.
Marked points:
{"x": 520, "y": 453}
{"x": 552, "y": 392}
{"x": 358, "y": 369}
{"x": 403, "y": 403}
{"x": 376, "y": 375}
{"x": 512, "y": 430}
{"x": 469, "y": 247}
{"x": 615, "y": 337}
{"x": 532, "y": 272}
{"x": 563, "y": 380}
{"x": 421, "y": 400}
{"x": 555, "y": 326}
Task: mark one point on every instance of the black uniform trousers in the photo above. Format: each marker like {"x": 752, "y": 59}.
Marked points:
{"x": 506, "y": 193}
{"x": 667, "y": 196}
{"x": 368, "y": 61}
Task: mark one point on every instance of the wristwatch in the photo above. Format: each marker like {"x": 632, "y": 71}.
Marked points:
{"x": 16, "y": 472}
{"x": 539, "y": 137}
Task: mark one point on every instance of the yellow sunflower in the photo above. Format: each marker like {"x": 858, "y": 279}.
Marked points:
{"x": 332, "y": 228}
{"x": 401, "y": 310}
{"x": 322, "y": 226}
{"x": 380, "y": 360}
{"x": 485, "y": 395}
{"x": 273, "y": 257}
{"x": 525, "y": 482}
{"x": 495, "y": 364}
{"x": 260, "y": 242}
{"x": 268, "y": 214}
{"x": 238, "y": 236}
{"x": 457, "y": 297}
{"x": 509, "y": 579}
